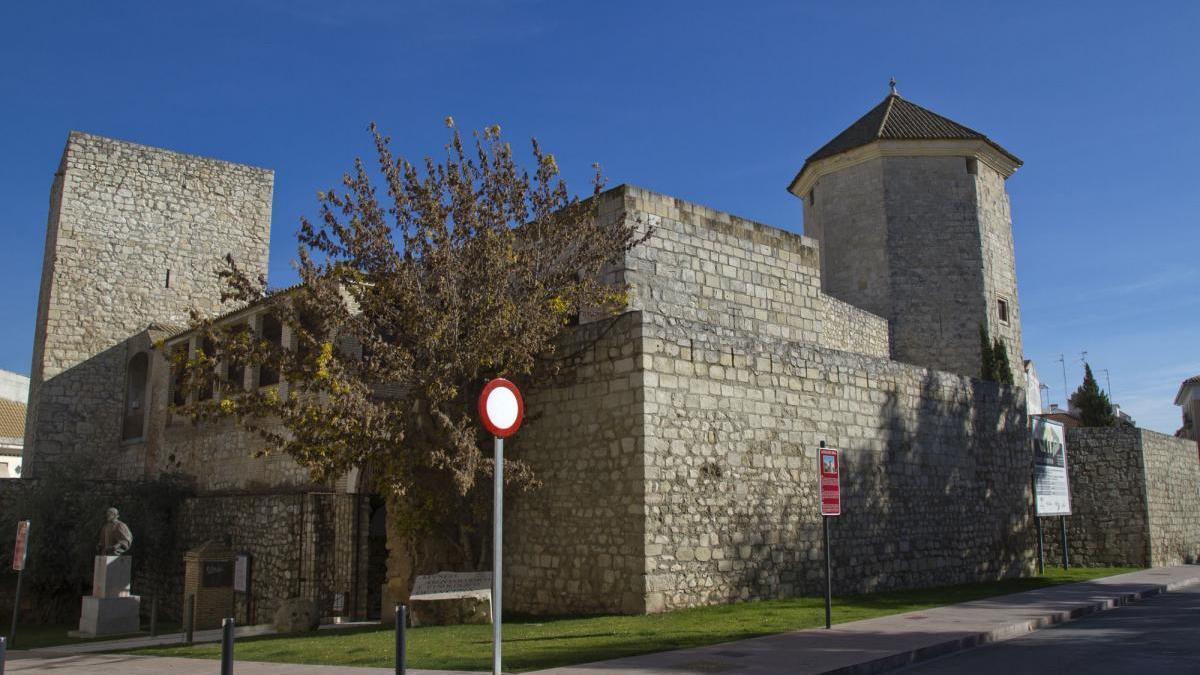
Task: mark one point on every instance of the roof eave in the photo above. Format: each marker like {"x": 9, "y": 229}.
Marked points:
{"x": 984, "y": 149}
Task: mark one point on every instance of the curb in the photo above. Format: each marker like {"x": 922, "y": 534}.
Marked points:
{"x": 902, "y": 659}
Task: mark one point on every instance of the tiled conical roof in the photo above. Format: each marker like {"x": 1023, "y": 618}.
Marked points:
{"x": 900, "y": 120}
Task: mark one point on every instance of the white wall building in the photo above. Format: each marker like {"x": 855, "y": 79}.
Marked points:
{"x": 14, "y": 394}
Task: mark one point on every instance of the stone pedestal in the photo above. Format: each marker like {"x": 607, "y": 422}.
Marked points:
{"x": 110, "y": 609}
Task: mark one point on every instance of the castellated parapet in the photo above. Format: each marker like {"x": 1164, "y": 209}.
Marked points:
{"x": 134, "y": 237}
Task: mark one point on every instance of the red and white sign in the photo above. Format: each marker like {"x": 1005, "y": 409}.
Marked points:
{"x": 21, "y": 545}
{"x": 831, "y": 489}
{"x": 501, "y": 408}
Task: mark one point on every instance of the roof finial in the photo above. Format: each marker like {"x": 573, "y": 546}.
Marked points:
{"x": 892, "y": 84}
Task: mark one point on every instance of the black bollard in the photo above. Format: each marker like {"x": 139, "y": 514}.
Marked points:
{"x": 189, "y": 619}
{"x": 401, "y": 644}
{"x": 3, "y": 653}
{"x": 227, "y": 647}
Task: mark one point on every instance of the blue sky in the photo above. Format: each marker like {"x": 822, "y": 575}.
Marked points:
{"x": 717, "y": 103}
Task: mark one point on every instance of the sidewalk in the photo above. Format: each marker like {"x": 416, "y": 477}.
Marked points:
{"x": 879, "y": 645}
{"x": 858, "y": 648}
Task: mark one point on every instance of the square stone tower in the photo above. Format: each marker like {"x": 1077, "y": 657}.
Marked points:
{"x": 134, "y": 237}
{"x": 913, "y": 220}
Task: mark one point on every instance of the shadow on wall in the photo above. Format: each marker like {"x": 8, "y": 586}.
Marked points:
{"x": 946, "y": 499}
{"x": 76, "y": 416}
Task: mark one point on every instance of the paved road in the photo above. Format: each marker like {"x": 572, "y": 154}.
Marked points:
{"x": 1158, "y": 635}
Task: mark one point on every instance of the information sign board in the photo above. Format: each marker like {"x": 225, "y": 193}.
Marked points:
{"x": 1050, "y": 472}
{"x": 21, "y": 546}
{"x": 216, "y": 574}
{"x": 831, "y": 489}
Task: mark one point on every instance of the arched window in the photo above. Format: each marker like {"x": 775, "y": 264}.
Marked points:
{"x": 135, "y": 396}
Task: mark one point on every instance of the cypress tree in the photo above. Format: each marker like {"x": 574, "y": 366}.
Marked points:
{"x": 987, "y": 369}
{"x": 1095, "y": 410}
{"x": 1001, "y": 367}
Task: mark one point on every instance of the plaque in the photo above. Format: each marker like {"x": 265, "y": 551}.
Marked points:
{"x": 216, "y": 574}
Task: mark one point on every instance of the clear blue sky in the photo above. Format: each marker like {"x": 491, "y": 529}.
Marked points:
{"x": 713, "y": 102}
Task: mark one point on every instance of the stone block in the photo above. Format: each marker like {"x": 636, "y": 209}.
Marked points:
{"x": 109, "y": 616}
{"x": 110, "y": 576}
{"x": 297, "y": 615}
{"x": 451, "y": 611}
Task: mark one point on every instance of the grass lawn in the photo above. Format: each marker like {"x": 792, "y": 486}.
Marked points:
{"x": 532, "y": 644}
{"x": 33, "y": 636}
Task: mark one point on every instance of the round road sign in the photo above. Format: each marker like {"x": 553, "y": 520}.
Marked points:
{"x": 501, "y": 407}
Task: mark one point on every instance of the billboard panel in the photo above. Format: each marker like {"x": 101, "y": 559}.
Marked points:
{"x": 1050, "y": 476}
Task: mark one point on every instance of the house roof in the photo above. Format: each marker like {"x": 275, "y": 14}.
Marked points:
{"x": 898, "y": 119}
{"x": 12, "y": 419}
{"x": 1185, "y": 386}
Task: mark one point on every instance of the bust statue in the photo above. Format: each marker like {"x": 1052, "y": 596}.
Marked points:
{"x": 115, "y": 537}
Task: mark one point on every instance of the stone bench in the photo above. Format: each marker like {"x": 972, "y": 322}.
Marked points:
{"x": 451, "y": 598}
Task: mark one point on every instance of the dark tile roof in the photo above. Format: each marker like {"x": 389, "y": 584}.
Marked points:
{"x": 1183, "y": 386}
{"x": 898, "y": 119}
{"x": 12, "y": 419}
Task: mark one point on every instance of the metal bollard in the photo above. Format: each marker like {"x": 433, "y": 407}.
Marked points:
{"x": 154, "y": 616}
{"x": 189, "y": 619}
{"x": 3, "y": 653}
{"x": 227, "y": 647}
{"x": 401, "y": 643}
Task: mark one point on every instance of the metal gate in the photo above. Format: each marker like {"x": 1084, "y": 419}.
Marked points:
{"x": 333, "y": 543}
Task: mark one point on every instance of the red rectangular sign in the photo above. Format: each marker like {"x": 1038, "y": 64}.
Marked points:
{"x": 831, "y": 489}
{"x": 19, "y": 548}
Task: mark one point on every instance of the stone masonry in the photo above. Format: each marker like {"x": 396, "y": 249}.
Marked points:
{"x": 1135, "y": 499}
{"x": 133, "y": 239}
{"x": 700, "y": 434}
{"x": 677, "y": 445}
{"x": 926, "y": 244}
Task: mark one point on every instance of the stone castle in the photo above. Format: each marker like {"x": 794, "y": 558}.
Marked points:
{"x": 677, "y": 453}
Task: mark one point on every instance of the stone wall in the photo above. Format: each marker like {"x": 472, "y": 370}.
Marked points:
{"x": 1172, "y": 498}
{"x": 679, "y": 456}
{"x": 302, "y": 544}
{"x": 575, "y": 544}
{"x": 1135, "y": 500}
{"x": 134, "y": 237}
{"x": 735, "y": 411}
{"x": 935, "y": 471}
{"x": 850, "y": 329}
{"x": 711, "y": 267}
{"x": 222, "y": 456}
{"x": 1108, "y": 521}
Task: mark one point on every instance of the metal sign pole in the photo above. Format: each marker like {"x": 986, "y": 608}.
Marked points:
{"x": 828, "y": 576}
{"x": 497, "y": 551}
{"x": 12, "y": 629}
{"x": 828, "y": 567}
{"x": 20, "y": 554}
{"x": 1037, "y": 521}
{"x": 1066, "y": 554}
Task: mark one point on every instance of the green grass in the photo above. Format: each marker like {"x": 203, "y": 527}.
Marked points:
{"x": 532, "y": 644}
{"x": 35, "y": 636}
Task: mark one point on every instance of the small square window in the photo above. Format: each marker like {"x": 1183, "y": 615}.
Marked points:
{"x": 972, "y": 166}
{"x": 1002, "y": 309}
